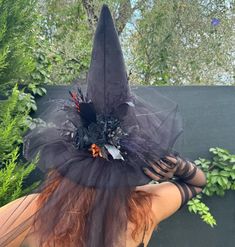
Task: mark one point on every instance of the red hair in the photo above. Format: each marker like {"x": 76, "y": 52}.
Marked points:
{"x": 73, "y": 220}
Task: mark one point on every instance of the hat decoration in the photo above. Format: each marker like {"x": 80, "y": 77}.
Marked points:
{"x": 98, "y": 133}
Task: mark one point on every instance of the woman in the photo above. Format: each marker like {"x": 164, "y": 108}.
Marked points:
{"x": 99, "y": 154}
{"x": 163, "y": 199}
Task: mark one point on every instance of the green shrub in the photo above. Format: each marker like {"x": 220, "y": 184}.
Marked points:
{"x": 14, "y": 122}
{"x": 220, "y": 173}
{"x": 12, "y": 177}
{"x": 17, "y": 38}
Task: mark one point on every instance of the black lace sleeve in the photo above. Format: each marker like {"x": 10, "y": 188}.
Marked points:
{"x": 189, "y": 179}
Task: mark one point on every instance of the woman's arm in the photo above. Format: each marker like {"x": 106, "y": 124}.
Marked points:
{"x": 189, "y": 178}
{"x": 181, "y": 181}
{"x": 15, "y": 213}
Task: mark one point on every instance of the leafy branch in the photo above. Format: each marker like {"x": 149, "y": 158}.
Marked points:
{"x": 14, "y": 122}
{"x": 220, "y": 174}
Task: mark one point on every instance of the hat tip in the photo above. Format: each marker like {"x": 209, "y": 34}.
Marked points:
{"x": 105, "y": 7}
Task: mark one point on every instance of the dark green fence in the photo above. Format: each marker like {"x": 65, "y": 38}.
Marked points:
{"x": 209, "y": 121}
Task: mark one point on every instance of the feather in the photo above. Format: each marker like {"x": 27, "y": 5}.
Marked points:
{"x": 80, "y": 94}
{"x": 87, "y": 113}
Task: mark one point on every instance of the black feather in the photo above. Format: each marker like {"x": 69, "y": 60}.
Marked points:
{"x": 87, "y": 113}
{"x": 80, "y": 93}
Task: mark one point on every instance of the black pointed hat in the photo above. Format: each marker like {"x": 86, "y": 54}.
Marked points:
{"x": 107, "y": 76}
{"x": 111, "y": 128}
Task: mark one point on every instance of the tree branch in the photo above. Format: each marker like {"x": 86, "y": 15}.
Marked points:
{"x": 90, "y": 10}
{"x": 124, "y": 13}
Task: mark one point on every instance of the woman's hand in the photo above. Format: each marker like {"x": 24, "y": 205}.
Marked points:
{"x": 164, "y": 169}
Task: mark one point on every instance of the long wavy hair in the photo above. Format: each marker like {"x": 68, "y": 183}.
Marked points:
{"x": 72, "y": 222}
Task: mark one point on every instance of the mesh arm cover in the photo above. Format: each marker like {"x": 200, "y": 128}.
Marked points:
{"x": 187, "y": 191}
{"x": 189, "y": 179}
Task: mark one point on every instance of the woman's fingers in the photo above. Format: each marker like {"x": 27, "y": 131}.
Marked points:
{"x": 165, "y": 164}
{"x": 163, "y": 168}
{"x": 158, "y": 169}
{"x": 168, "y": 168}
{"x": 171, "y": 160}
{"x": 152, "y": 175}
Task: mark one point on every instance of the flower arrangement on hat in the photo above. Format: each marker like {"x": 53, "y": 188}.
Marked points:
{"x": 98, "y": 133}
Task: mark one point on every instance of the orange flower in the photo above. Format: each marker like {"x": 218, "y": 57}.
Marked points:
{"x": 96, "y": 150}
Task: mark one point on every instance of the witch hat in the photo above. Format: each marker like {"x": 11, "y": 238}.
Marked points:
{"x": 107, "y": 77}
{"x": 111, "y": 123}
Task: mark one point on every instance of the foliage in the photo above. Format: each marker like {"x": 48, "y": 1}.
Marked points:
{"x": 195, "y": 205}
{"x": 14, "y": 117}
{"x": 14, "y": 122}
{"x": 12, "y": 177}
{"x": 16, "y": 40}
{"x": 150, "y": 41}
{"x": 220, "y": 173}
{"x": 182, "y": 42}
{"x": 37, "y": 89}
{"x": 67, "y": 39}
{"x": 42, "y": 72}
{"x": 68, "y": 28}
{"x": 165, "y": 42}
